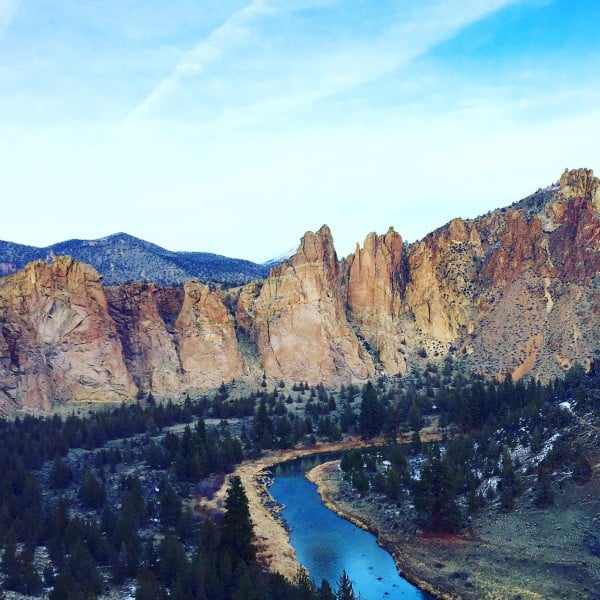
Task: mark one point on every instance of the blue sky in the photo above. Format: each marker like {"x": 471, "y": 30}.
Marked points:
{"x": 234, "y": 126}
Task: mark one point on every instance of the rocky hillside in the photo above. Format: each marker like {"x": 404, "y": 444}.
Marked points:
{"x": 513, "y": 292}
{"x": 122, "y": 258}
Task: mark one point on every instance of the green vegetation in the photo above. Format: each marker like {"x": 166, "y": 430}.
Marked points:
{"x": 121, "y": 258}
{"x": 102, "y": 501}
{"x": 491, "y": 427}
{"x": 92, "y": 503}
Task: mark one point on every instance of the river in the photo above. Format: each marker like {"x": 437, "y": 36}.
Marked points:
{"x": 327, "y": 544}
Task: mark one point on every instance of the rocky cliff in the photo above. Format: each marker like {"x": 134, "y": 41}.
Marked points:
{"x": 297, "y": 319}
{"x": 57, "y": 339}
{"x": 513, "y": 292}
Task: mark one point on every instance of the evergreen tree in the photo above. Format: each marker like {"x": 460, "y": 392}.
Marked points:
{"x": 415, "y": 443}
{"x": 236, "y": 527}
{"x": 435, "y": 496}
{"x": 508, "y": 483}
{"x": 60, "y": 474}
{"x": 172, "y": 560}
{"x": 18, "y": 570}
{"x": 414, "y": 418}
{"x": 393, "y": 485}
{"x": 545, "y": 495}
{"x": 92, "y": 493}
{"x": 263, "y": 429}
{"x": 347, "y": 418}
{"x": 147, "y": 587}
{"x": 371, "y": 412}
{"x": 65, "y": 587}
{"x": 170, "y": 505}
{"x": 345, "y": 589}
{"x": 10, "y": 564}
{"x": 302, "y": 586}
{"x": 325, "y": 591}
{"x": 582, "y": 469}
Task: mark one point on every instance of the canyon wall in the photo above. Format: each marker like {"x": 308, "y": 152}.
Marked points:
{"x": 513, "y": 292}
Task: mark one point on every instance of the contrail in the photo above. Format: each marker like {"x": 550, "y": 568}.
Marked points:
{"x": 432, "y": 24}
{"x": 230, "y": 33}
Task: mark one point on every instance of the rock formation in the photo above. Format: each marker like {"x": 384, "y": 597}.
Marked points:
{"x": 375, "y": 281}
{"x": 175, "y": 339}
{"x": 146, "y": 333}
{"x": 205, "y": 332}
{"x": 513, "y": 292}
{"x": 298, "y": 320}
{"x": 57, "y": 340}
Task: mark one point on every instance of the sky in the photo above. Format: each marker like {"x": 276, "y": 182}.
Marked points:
{"x": 234, "y": 126}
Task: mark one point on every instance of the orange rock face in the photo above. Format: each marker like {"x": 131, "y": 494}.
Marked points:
{"x": 59, "y": 342}
{"x": 541, "y": 273}
{"x": 375, "y": 282}
{"x": 175, "y": 340}
{"x": 580, "y": 183}
{"x": 442, "y": 273}
{"x": 145, "y": 316}
{"x": 513, "y": 292}
{"x": 206, "y": 338}
{"x": 298, "y": 319}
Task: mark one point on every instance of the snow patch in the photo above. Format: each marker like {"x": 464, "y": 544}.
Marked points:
{"x": 546, "y": 449}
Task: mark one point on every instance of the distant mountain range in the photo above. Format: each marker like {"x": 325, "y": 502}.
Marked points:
{"x": 122, "y": 258}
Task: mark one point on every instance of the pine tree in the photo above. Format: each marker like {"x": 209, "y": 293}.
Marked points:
{"x": 147, "y": 586}
{"x": 345, "y": 589}
{"x": 414, "y": 418}
{"x": 582, "y": 469}
{"x": 371, "y": 412}
{"x": 348, "y": 418}
{"x": 60, "y": 474}
{"x": 172, "y": 560}
{"x": 170, "y": 505}
{"x": 263, "y": 429}
{"x": 415, "y": 443}
{"x": 325, "y": 591}
{"x": 508, "y": 483}
{"x": 236, "y": 527}
{"x": 436, "y": 496}
{"x": 10, "y": 564}
{"x": 393, "y": 485}
{"x": 91, "y": 493}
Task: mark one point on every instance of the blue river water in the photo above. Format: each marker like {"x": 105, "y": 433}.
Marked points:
{"x": 327, "y": 544}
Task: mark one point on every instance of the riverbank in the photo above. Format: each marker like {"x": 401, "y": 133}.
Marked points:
{"x": 527, "y": 554}
{"x": 272, "y": 541}
{"x": 327, "y": 478}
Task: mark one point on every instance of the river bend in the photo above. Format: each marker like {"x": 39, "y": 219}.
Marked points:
{"x": 326, "y": 544}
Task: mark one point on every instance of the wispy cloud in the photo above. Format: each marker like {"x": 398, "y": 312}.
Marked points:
{"x": 8, "y": 9}
{"x": 234, "y": 31}
{"x": 296, "y": 77}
